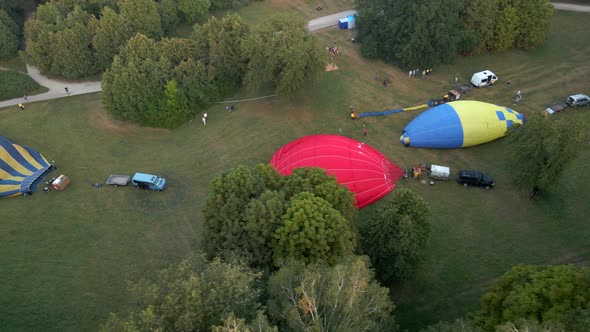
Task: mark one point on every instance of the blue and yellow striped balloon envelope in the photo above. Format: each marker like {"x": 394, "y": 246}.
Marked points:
{"x": 21, "y": 169}
{"x": 459, "y": 124}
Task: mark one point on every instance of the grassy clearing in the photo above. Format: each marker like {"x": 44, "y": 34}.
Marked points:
{"x": 16, "y": 85}
{"x": 66, "y": 256}
{"x": 14, "y": 64}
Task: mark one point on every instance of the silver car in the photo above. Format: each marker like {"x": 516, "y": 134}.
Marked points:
{"x": 578, "y": 100}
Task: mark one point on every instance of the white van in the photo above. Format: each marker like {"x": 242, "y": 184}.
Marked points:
{"x": 483, "y": 78}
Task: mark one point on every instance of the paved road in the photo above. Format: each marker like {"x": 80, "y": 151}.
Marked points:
{"x": 56, "y": 88}
{"x": 327, "y": 21}
{"x": 571, "y": 7}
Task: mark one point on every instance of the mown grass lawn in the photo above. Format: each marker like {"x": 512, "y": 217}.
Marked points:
{"x": 65, "y": 256}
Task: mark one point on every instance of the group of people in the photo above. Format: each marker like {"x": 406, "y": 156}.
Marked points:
{"x": 415, "y": 72}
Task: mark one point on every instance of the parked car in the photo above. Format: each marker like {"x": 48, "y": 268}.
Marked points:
{"x": 475, "y": 178}
{"x": 148, "y": 181}
{"x": 578, "y": 100}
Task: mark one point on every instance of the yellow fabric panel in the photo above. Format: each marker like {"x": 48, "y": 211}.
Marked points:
{"x": 28, "y": 156}
{"x": 5, "y": 176}
{"x": 10, "y": 187}
{"x": 480, "y": 121}
{"x": 415, "y": 107}
{"x": 7, "y": 158}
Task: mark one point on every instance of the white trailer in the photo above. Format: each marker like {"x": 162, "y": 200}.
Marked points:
{"x": 439, "y": 172}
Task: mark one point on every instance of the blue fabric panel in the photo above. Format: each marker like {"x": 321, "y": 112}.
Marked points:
{"x": 438, "y": 128}
{"x": 8, "y": 193}
{"x": 18, "y": 157}
{"x": 8, "y": 169}
{"x": 500, "y": 115}
{"x": 379, "y": 113}
{"x": 509, "y": 110}
{"x": 509, "y": 123}
{"x": 37, "y": 156}
{"x": 519, "y": 116}
{"x": 9, "y": 182}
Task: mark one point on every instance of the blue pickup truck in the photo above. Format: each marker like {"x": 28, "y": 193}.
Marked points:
{"x": 140, "y": 180}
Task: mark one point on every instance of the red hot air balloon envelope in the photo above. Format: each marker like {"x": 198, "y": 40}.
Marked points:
{"x": 361, "y": 168}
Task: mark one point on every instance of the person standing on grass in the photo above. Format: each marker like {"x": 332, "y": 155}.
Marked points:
{"x": 26, "y": 98}
{"x": 365, "y": 130}
{"x": 204, "y": 119}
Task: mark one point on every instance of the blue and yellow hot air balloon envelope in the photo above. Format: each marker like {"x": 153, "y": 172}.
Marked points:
{"x": 21, "y": 169}
{"x": 459, "y": 124}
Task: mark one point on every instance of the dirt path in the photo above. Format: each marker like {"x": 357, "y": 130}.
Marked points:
{"x": 56, "y": 88}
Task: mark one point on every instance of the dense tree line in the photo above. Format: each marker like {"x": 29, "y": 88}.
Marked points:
{"x": 423, "y": 33}
{"x": 201, "y": 295}
{"x": 8, "y": 35}
{"x": 163, "y": 83}
{"x": 79, "y": 38}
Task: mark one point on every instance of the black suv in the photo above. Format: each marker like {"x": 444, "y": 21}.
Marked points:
{"x": 475, "y": 178}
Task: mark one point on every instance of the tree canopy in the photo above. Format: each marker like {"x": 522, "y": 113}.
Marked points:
{"x": 256, "y": 214}
{"x": 424, "y": 33}
{"x": 283, "y": 54}
{"x": 312, "y": 230}
{"x": 396, "y": 237}
{"x": 539, "y": 150}
{"x": 193, "y": 295}
{"x": 320, "y": 297}
{"x": 540, "y": 293}
{"x": 8, "y": 35}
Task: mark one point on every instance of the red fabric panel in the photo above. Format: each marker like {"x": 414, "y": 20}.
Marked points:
{"x": 364, "y": 170}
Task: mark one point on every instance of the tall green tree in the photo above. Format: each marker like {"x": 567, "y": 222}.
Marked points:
{"x": 540, "y": 293}
{"x": 194, "y": 295}
{"x": 8, "y": 35}
{"x": 242, "y": 211}
{"x": 478, "y": 19}
{"x": 283, "y": 54}
{"x": 168, "y": 15}
{"x": 316, "y": 181}
{"x": 395, "y": 239}
{"x": 312, "y": 230}
{"x": 142, "y": 17}
{"x": 218, "y": 42}
{"x": 506, "y": 24}
{"x": 133, "y": 87}
{"x": 193, "y": 10}
{"x": 410, "y": 33}
{"x": 534, "y": 22}
{"x": 319, "y": 297}
{"x": 39, "y": 31}
{"x": 539, "y": 150}
{"x": 111, "y": 33}
{"x": 71, "y": 47}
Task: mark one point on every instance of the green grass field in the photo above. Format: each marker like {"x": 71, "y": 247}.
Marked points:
{"x": 15, "y": 85}
{"x": 65, "y": 256}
